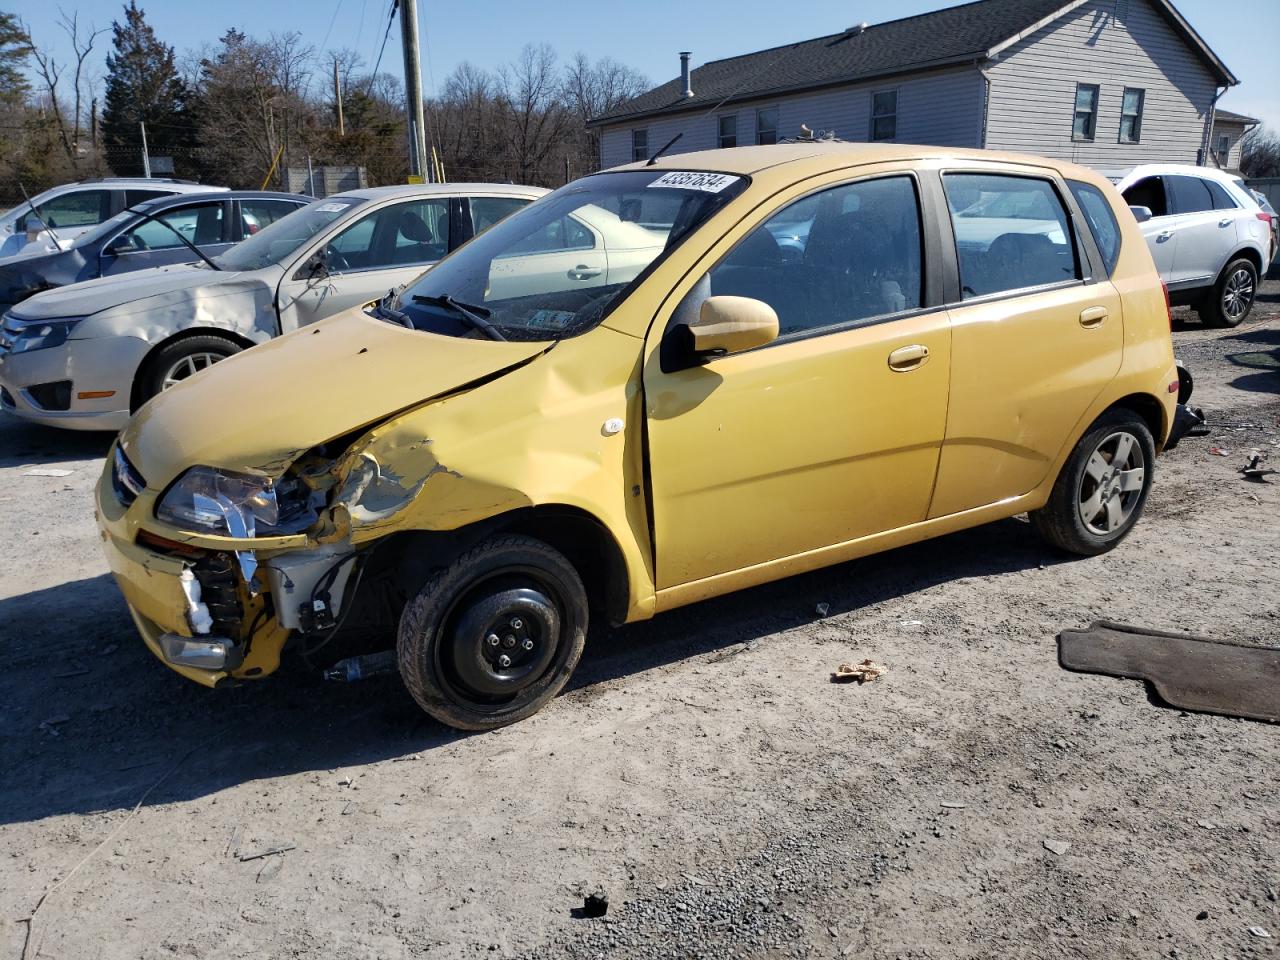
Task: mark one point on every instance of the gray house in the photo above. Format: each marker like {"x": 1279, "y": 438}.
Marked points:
{"x": 1101, "y": 82}
{"x": 1228, "y": 130}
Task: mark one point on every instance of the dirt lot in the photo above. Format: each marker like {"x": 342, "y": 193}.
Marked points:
{"x": 702, "y": 769}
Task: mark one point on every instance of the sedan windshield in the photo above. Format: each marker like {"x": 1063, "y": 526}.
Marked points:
{"x": 556, "y": 268}
{"x": 277, "y": 242}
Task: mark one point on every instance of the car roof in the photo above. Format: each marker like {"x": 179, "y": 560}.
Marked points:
{"x": 1155, "y": 169}
{"x": 440, "y": 189}
{"x": 815, "y": 156}
{"x": 175, "y": 199}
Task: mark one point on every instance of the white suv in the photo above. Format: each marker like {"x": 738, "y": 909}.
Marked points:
{"x": 1209, "y": 237}
{"x": 63, "y": 213}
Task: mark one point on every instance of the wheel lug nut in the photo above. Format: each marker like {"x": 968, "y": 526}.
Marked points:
{"x": 516, "y": 623}
{"x": 504, "y": 661}
{"x": 527, "y": 645}
{"x": 491, "y": 639}
{"x": 508, "y": 641}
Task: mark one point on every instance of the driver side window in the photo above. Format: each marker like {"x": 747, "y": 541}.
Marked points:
{"x": 404, "y": 234}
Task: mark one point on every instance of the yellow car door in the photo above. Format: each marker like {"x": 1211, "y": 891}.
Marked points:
{"x": 1037, "y": 334}
{"x": 830, "y": 433}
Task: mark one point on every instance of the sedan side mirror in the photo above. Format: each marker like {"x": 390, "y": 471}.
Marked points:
{"x": 118, "y": 246}
{"x": 1141, "y": 214}
{"x": 314, "y": 268}
{"x": 726, "y": 325}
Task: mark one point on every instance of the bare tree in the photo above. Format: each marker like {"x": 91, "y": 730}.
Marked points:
{"x": 51, "y": 74}
{"x": 1260, "y": 153}
{"x": 596, "y": 90}
{"x": 536, "y": 117}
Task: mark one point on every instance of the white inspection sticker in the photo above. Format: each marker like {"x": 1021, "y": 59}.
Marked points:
{"x": 332, "y": 207}
{"x": 685, "y": 180}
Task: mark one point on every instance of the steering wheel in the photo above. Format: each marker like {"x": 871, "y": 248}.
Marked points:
{"x": 334, "y": 259}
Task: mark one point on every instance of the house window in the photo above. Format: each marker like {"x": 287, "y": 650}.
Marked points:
{"x": 767, "y": 125}
{"x": 728, "y": 131}
{"x": 884, "y": 115}
{"x": 1224, "y": 147}
{"x": 1130, "y": 115}
{"x": 639, "y": 145}
{"x": 1086, "y": 116}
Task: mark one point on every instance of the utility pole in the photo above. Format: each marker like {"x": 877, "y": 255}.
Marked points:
{"x": 413, "y": 91}
{"x": 337, "y": 97}
{"x": 146, "y": 157}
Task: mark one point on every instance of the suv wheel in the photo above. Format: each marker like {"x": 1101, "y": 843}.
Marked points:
{"x": 1231, "y": 298}
{"x": 494, "y": 636}
{"x": 1102, "y": 488}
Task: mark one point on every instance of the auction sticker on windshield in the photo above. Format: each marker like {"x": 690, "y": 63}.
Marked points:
{"x": 709, "y": 182}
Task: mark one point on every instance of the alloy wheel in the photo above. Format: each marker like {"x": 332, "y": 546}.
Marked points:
{"x": 1112, "y": 483}
{"x": 187, "y": 366}
{"x": 1237, "y": 294}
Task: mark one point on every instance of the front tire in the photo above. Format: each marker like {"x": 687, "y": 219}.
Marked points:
{"x": 181, "y": 359}
{"x": 494, "y": 636}
{"x": 1103, "y": 486}
{"x": 1232, "y": 296}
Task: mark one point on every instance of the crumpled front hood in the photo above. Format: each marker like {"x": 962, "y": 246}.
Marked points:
{"x": 134, "y": 289}
{"x": 258, "y": 411}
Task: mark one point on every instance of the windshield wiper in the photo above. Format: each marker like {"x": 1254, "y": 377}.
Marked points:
{"x": 178, "y": 233}
{"x": 476, "y": 317}
{"x": 385, "y": 310}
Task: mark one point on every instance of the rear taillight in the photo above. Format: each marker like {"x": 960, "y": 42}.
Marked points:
{"x": 1168, "y": 307}
{"x": 1264, "y": 217}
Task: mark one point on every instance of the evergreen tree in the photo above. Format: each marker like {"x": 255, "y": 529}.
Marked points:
{"x": 14, "y": 47}
{"x": 143, "y": 86}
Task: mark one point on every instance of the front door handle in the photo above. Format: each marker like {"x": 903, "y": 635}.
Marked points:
{"x": 908, "y": 358}
{"x": 583, "y": 272}
{"x": 1225, "y": 222}
{"x": 1093, "y": 317}
{"x": 1163, "y": 235}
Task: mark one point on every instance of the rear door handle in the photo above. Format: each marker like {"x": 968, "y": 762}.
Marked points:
{"x": 908, "y": 358}
{"x": 1163, "y": 235}
{"x": 583, "y": 272}
{"x": 1093, "y": 316}
{"x": 1225, "y": 222}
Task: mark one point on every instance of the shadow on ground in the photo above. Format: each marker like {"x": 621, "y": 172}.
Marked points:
{"x": 1263, "y": 357}
{"x": 27, "y": 444}
{"x": 92, "y": 720}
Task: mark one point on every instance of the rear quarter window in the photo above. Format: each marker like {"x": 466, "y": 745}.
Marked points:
{"x": 1102, "y": 221}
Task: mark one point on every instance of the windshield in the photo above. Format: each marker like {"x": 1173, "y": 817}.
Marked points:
{"x": 556, "y": 268}
{"x": 281, "y": 239}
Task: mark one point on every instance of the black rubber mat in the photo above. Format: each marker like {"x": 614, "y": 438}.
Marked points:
{"x": 1191, "y": 673}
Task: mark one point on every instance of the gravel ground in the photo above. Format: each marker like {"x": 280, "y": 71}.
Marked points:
{"x": 977, "y": 801}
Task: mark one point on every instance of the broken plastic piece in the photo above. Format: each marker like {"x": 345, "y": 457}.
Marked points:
{"x": 864, "y": 672}
{"x": 197, "y": 613}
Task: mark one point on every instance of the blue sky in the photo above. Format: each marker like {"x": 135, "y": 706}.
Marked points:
{"x": 646, "y": 35}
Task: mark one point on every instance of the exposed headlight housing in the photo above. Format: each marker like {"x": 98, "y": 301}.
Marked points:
{"x": 238, "y": 504}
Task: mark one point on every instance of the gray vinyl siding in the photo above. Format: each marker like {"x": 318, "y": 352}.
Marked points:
{"x": 1234, "y": 132}
{"x": 1033, "y": 86}
{"x": 940, "y": 107}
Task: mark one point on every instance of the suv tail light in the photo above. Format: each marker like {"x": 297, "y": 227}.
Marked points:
{"x": 1264, "y": 217}
{"x": 1168, "y": 308}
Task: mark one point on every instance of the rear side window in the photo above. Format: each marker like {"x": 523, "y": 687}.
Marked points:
{"x": 134, "y": 197}
{"x": 1011, "y": 233}
{"x": 1221, "y": 199}
{"x": 1102, "y": 220}
{"x": 1148, "y": 192}
{"x": 1190, "y": 195}
{"x": 486, "y": 211}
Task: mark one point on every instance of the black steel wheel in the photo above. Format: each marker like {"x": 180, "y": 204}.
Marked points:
{"x": 495, "y": 635}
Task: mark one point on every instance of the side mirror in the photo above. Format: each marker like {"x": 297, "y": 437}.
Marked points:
{"x": 727, "y": 325}
{"x": 314, "y": 268}
{"x": 118, "y": 246}
{"x": 1141, "y": 214}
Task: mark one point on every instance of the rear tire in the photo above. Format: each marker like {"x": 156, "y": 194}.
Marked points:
{"x": 181, "y": 359}
{"x": 1232, "y": 296}
{"x": 494, "y": 636}
{"x": 1103, "y": 486}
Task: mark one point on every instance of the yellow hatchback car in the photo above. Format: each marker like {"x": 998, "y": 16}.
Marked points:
{"x": 657, "y": 384}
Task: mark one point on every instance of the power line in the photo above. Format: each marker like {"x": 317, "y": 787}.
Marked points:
{"x": 395, "y": 5}
{"x": 332, "y": 21}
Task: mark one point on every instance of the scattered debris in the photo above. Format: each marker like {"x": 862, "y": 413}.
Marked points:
{"x": 822, "y": 609}
{"x": 1219, "y": 452}
{"x": 864, "y": 672}
{"x": 233, "y": 843}
{"x": 350, "y": 808}
{"x": 266, "y": 851}
{"x": 911, "y": 623}
{"x": 595, "y": 904}
{"x": 696, "y": 881}
{"x": 1253, "y": 469}
{"x": 948, "y": 805}
{"x": 1202, "y": 915}
{"x": 1260, "y": 932}
{"x": 48, "y": 472}
{"x": 51, "y": 724}
{"x": 1058, "y": 847}
{"x": 1207, "y": 824}
{"x": 270, "y": 868}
